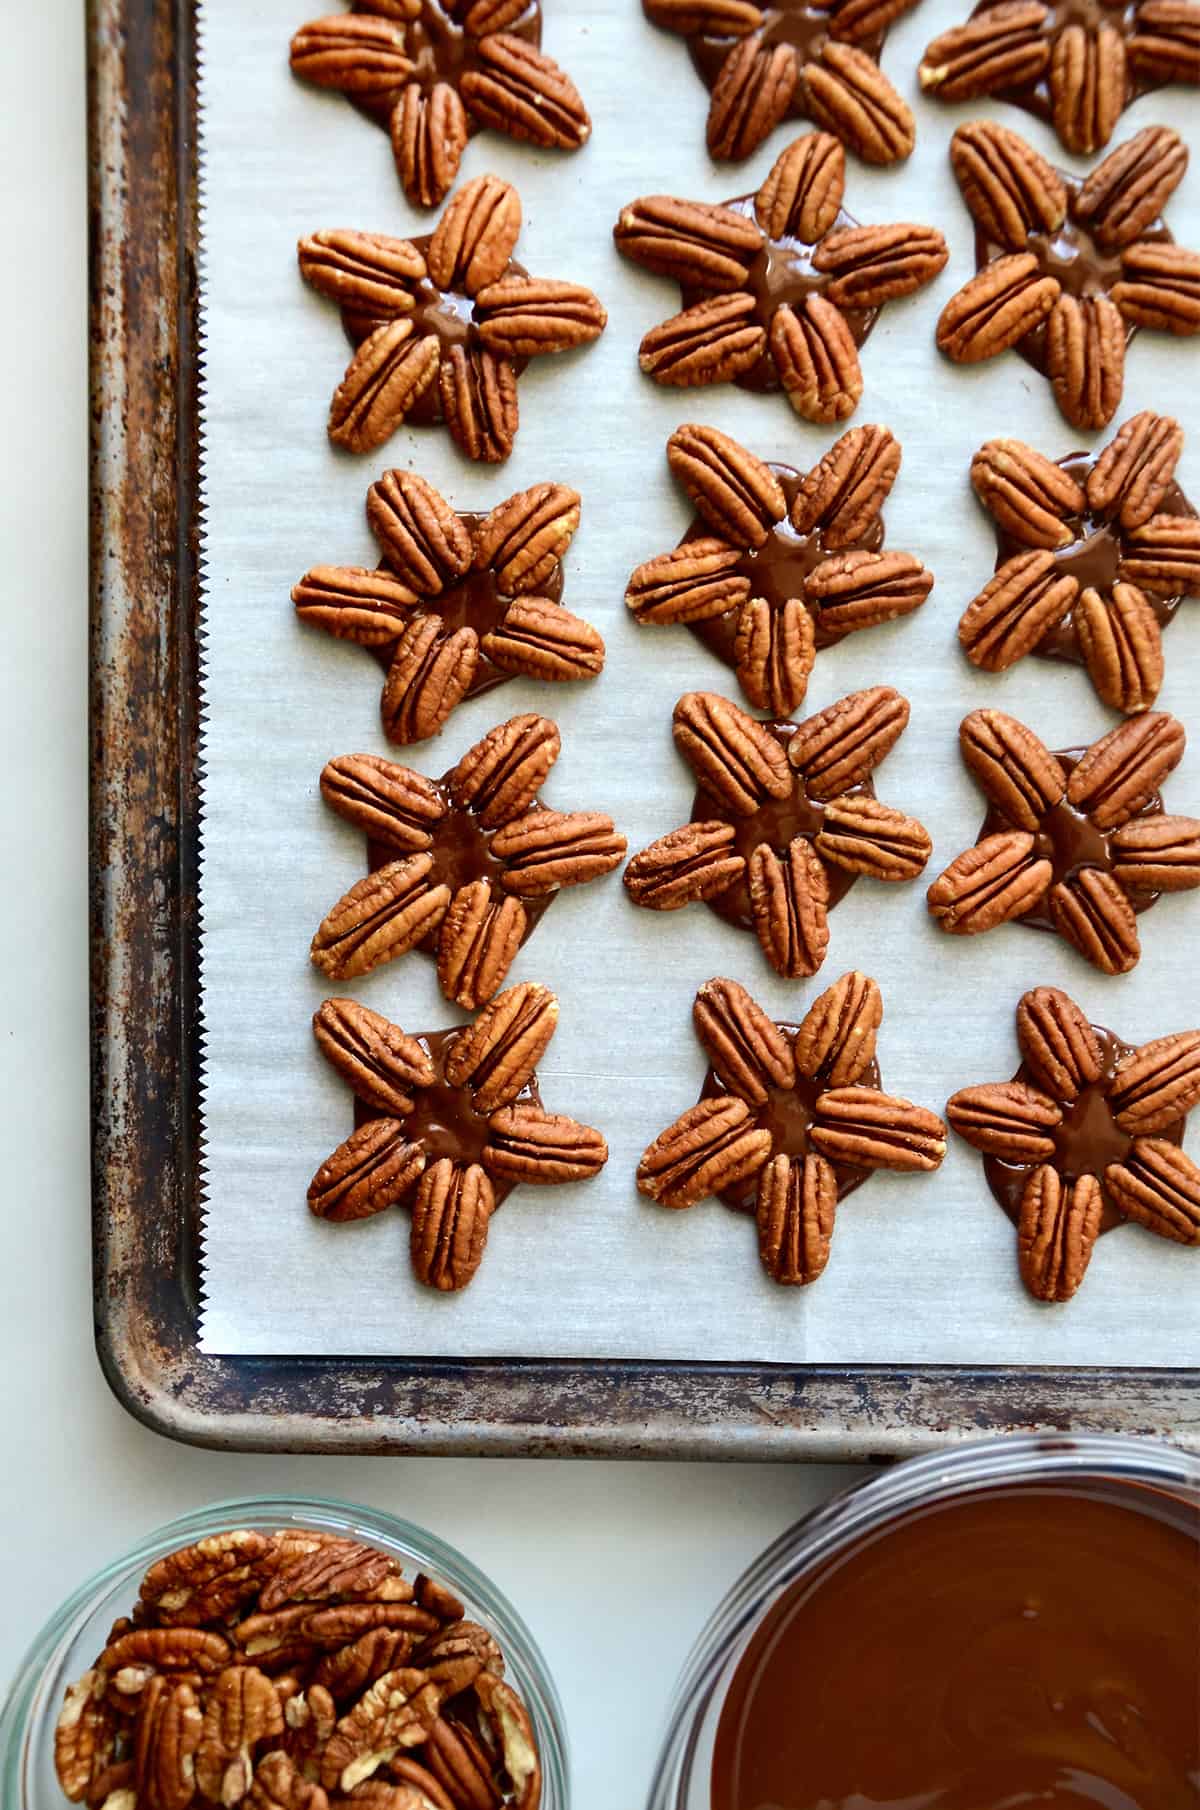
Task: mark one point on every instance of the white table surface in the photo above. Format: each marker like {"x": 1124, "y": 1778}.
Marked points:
{"x": 615, "y": 1566}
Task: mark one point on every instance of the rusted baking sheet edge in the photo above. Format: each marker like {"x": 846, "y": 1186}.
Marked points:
{"x": 146, "y": 1043}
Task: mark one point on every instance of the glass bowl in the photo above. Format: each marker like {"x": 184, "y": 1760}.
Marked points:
{"x": 1123, "y": 1467}
{"x": 72, "y": 1638}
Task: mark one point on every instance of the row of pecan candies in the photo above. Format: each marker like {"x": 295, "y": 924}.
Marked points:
{"x": 295, "y": 1671}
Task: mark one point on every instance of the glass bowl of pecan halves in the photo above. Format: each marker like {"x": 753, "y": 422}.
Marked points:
{"x": 290, "y": 1654}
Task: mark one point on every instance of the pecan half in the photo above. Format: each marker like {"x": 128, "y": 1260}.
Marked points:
{"x": 194, "y": 1651}
{"x": 373, "y": 1169}
{"x": 1015, "y": 610}
{"x": 1163, "y": 556}
{"x": 383, "y": 380}
{"x": 367, "y": 273}
{"x": 802, "y": 195}
{"x": 530, "y": 1145}
{"x": 168, "y": 1732}
{"x": 430, "y": 674}
{"x": 865, "y": 836}
{"x": 1123, "y": 770}
{"x": 1010, "y": 190}
{"x": 774, "y": 652}
{"x": 1129, "y": 190}
{"x": 1085, "y": 358}
{"x": 845, "y": 492}
{"x": 692, "y": 583}
{"x": 1166, "y": 44}
{"x": 699, "y": 244}
{"x": 393, "y": 804}
{"x": 991, "y": 883}
{"x": 279, "y": 1785}
{"x": 1121, "y": 644}
{"x": 695, "y": 862}
{"x": 524, "y": 539}
{"x": 478, "y": 393}
{"x": 500, "y": 775}
{"x": 1000, "y": 47}
{"x": 1029, "y": 496}
{"x": 846, "y": 92}
{"x": 498, "y": 1053}
{"x": 870, "y": 265}
{"x": 736, "y": 493}
{"x": 1087, "y": 85}
{"x": 711, "y": 342}
{"x": 1157, "y": 1083}
{"x": 1057, "y": 1232}
{"x": 242, "y": 1710}
{"x": 750, "y": 96}
{"x": 1057, "y": 1043}
{"x": 1001, "y": 304}
{"x": 1015, "y": 770}
{"x": 354, "y": 604}
{"x": 451, "y": 1211}
{"x": 730, "y": 753}
{"x": 476, "y": 235}
{"x": 525, "y": 317}
{"x": 462, "y": 1767}
{"x": 861, "y": 590}
{"x": 382, "y": 916}
{"x": 424, "y": 540}
{"x": 477, "y": 942}
{"x": 1007, "y": 1119}
{"x": 395, "y": 1713}
{"x": 428, "y": 130}
{"x": 520, "y": 90}
{"x": 717, "y": 18}
{"x": 352, "y": 53}
{"x": 1134, "y": 471}
{"x": 817, "y": 359}
{"x": 873, "y": 1130}
{"x": 350, "y": 1669}
{"x": 1160, "y": 287}
{"x": 837, "y": 1037}
{"x": 1159, "y": 1187}
{"x": 84, "y": 1736}
{"x": 788, "y": 896}
{"x": 797, "y": 1201}
{"x": 512, "y": 1733}
{"x": 712, "y": 1146}
{"x": 374, "y": 1056}
{"x": 544, "y": 641}
{"x": 1157, "y": 854}
{"x": 842, "y": 745}
{"x": 544, "y": 850}
{"x": 746, "y": 1048}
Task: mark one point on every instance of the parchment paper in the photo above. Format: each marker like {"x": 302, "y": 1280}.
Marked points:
{"x": 923, "y": 1267}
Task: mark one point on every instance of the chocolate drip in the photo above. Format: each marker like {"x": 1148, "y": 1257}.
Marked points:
{"x": 1088, "y": 1139}
{"x": 443, "y": 1119}
{"x": 1034, "y": 1644}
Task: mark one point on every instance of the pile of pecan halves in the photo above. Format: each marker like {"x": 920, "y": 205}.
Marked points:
{"x": 295, "y": 1670}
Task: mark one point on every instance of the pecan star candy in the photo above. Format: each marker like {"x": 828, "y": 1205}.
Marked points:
{"x": 793, "y": 59}
{"x": 433, "y": 72}
{"x": 784, "y": 822}
{"x": 1085, "y": 1136}
{"x": 1068, "y": 270}
{"x": 443, "y": 324}
{"x": 1075, "y": 842}
{"x": 1094, "y": 557}
{"x": 779, "y": 564}
{"x": 1077, "y": 66}
{"x": 448, "y": 1122}
{"x": 790, "y": 1119}
{"x": 462, "y": 866}
{"x": 460, "y": 603}
{"x": 779, "y": 288}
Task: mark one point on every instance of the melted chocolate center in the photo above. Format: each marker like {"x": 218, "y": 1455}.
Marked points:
{"x": 1093, "y": 558}
{"x": 804, "y": 27}
{"x": 782, "y": 275}
{"x": 440, "y": 50}
{"x": 787, "y": 1114}
{"x": 444, "y": 1120}
{"x": 776, "y": 823}
{"x": 1034, "y": 96}
{"x": 1029, "y": 1645}
{"x": 1086, "y": 1142}
{"x": 777, "y": 571}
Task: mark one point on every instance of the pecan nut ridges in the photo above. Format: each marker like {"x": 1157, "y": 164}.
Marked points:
{"x": 780, "y": 290}
{"x": 790, "y": 1119}
{"x": 450, "y": 1122}
{"x": 443, "y": 324}
{"x": 1084, "y": 1137}
{"x": 784, "y": 821}
{"x": 1071, "y": 842}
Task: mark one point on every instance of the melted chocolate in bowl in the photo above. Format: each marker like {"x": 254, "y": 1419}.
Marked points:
{"x": 1025, "y": 1648}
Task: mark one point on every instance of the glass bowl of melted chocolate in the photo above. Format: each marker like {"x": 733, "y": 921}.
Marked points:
{"x": 1013, "y": 1625}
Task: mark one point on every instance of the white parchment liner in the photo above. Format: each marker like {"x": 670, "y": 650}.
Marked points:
{"x": 923, "y": 1268}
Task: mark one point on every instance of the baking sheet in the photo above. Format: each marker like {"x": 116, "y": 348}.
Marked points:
{"x": 923, "y": 1268}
